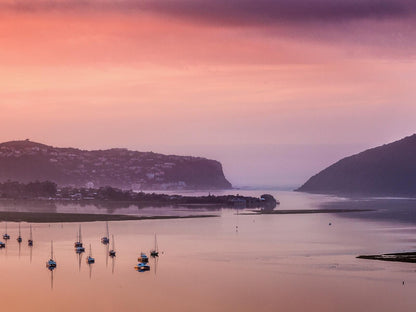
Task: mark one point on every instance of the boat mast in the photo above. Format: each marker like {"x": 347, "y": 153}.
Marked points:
{"x": 51, "y": 249}
{"x": 79, "y": 235}
{"x": 112, "y": 243}
{"x": 156, "y": 249}
{"x": 108, "y": 234}
{"x": 30, "y": 233}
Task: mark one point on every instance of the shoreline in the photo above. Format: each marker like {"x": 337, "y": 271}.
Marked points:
{"x": 409, "y": 257}
{"x": 304, "y": 211}
{"x": 52, "y": 217}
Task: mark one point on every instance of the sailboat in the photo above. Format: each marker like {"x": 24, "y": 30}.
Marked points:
{"x": 78, "y": 244}
{"x": 112, "y": 252}
{"x": 105, "y": 240}
{"x": 5, "y": 235}
{"x": 90, "y": 259}
{"x": 155, "y": 252}
{"x": 51, "y": 263}
{"x": 30, "y": 240}
{"x": 19, "y": 238}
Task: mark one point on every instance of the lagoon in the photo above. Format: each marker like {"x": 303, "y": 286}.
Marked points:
{"x": 233, "y": 262}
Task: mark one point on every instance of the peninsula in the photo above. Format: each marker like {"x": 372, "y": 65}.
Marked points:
{"x": 26, "y": 161}
{"x": 49, "y": 191}
{"x": 388, "y": 170}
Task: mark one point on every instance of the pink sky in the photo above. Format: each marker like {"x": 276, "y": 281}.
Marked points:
{"x": 211, "y": 78}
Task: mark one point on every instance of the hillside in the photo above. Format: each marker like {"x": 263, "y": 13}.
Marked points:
{"x": 26, "y": 161}
{"x": 388, "y": 170}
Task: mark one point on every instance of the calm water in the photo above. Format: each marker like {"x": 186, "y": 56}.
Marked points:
{"x": 272, "y": 263}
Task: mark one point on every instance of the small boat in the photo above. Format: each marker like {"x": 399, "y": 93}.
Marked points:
{"x": 19, "y": 238}
{"x": 112, "y": 252}
{"x": 155, "y": 252}
{"x": 105, "y": 240}
{"x": 30, "y": 240}
{"x": 79, "y": 249}
{"x": 2, "y": 245}
{"x": 51, "y": 263}
{"x": 78, "y": 243}
{"x": 90, "y": 259}
{"x": 5, "y": 235}
{"x": 143, "y": 258}
{"x": 141, "y": 266}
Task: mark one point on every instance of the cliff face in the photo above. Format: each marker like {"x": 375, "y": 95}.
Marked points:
{"x": 388, "y": 170}
{"x": 26, "y": 161}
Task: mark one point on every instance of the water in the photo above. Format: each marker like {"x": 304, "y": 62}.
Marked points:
{"x": 229, "y": 263}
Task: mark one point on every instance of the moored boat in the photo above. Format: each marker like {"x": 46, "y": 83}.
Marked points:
{"x": 90, "y": 259}
{"x": 155, "y": 252}
{"x": 112, "y": 252}
{"x": 5, "y": 235}
{"x": 78, "y": 244}
{"x": 143, "y": 258}
{"x": 19, "y": 238}
{"x": 51, "y": 263}
{"x": 105, "y": 239}
{"x": 30, "y": 240}
{"x": 141, "y": 266}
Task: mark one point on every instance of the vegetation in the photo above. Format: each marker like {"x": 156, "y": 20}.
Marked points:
{"x": 36, "y": 189}
{"x": 49, "y": 190}
{"x": 388, "y": 170}
{"x": 27, "y": 161}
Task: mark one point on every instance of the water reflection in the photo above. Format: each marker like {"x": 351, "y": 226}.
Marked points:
{"x": 301, "y": 264}
{"x": 51, "y": 269}
{"x": 113, "y": 261}
{"x": 106, "y": 247}
{"x": 155, "y": 261}
{"x": 90, "y": 267}
{"x": 23, "y": 210}
{"x": 79, "y": 254}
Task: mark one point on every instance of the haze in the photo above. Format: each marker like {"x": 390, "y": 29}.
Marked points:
{"x": 275, "y": 90}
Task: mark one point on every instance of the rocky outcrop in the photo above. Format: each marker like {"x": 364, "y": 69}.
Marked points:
{"x": 26, "y": 161}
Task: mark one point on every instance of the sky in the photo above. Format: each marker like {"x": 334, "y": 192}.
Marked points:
{"x": 274, "y": 89}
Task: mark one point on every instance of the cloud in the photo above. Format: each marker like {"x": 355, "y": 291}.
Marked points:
{"x": 235, "y": 12}
{"x": 263, "y": 12}
{"x": 381, "y": 27}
